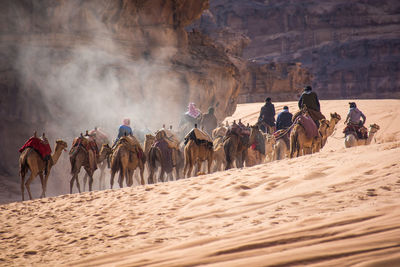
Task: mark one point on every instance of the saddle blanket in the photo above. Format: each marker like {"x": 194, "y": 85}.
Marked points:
{"x": 309, "y": 126}
{"x": 37, "y": 144}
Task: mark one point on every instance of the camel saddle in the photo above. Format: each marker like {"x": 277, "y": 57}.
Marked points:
{"x": 309, "y": 125}
{"x": 238, "y": 130}
{"x": 358, "y": 131}
{"x": 132, "y": 144}
{"x": 283, "y": 134}
{"x": 40, "y": 146}
{"x": 89, "y": 147}
{"x": 199, "y": 137}
{"x": 169, "y": 137}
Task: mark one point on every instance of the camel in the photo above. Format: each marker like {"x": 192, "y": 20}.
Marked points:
{"x": 235, "y": 147}
{"x": 197, "y": 153}
{"x": 300, "y": 144}
{"x": 100, "y": 138}
{"x": 219, "y": 154}
{"x": 80, "y": 158}
{"x": 125, "y": 159}
{"x": 351, "y": 139}
{"x": 335, "y": 118}
{"x": 30, "y": 159}
{"x": 281, "y": 150}
{"x": 156, "y": 159}
{"x": 269, "y": 146}
{"x": 256, "y": 139}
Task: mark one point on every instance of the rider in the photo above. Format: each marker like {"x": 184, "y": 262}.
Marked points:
{"x": 124, "y": 130}
{"x": 309, "y": 99}
{"x": 209, "y": 121}
{"x": 353, "y": 121}
{"x": 354, "y": 116}
{"x": 267, "y": 114}
{"x": 284, "y": 119}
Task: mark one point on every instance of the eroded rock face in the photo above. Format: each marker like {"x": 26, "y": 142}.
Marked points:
{"x": 351, "y": 48}
{"x": 68, "y": 66}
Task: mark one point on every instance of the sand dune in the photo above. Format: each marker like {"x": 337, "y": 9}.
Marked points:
{"x": 338, "y": 207}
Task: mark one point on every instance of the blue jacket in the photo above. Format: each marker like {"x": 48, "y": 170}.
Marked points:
{"x": 124, "y": 130}
{"x": 284, "y": 120}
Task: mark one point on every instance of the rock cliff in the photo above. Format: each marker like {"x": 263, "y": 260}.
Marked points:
{"x": 350, "y": 48}
{"x": 68, "y": 66}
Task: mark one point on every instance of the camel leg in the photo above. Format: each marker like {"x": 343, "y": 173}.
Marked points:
{"x": 189, "y": 173}
{"x": 46, "y": 178}
{"x": 112, "y": 179}
{"x": 23, "y": 186}
{"x": 122, "y": 174}
{"x": 42, "y": 180}
{"x": 102, "y": 177}
{"x": 209, "y": 162}
{"x": 28, "y": 183}
{"x": 141, "y": 169}
{"x": 151, "y": 175}
{"x": 90, "y": 182}
{"x": 130, "y": 174}
{"x": 85, "y": 177}
{"x": 161, "y": 177}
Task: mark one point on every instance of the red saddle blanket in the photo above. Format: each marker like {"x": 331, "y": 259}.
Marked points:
{"x": 309, "y": 125}
{"x": 36, "y": 143}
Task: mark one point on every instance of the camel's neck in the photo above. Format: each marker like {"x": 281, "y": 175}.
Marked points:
{"x": 56, "y": 155}
{"x": 101, "y": 157}
{"x": 370, "y": 136}
{"x": 332, "y": 124}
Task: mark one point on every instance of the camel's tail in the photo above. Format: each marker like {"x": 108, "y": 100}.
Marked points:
{"x": 115, "y": 161}
{"x": 228, "y": 152}
{"x": 23, "y": 165}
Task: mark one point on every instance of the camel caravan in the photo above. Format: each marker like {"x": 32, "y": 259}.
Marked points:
{"x": 199, "y": 146}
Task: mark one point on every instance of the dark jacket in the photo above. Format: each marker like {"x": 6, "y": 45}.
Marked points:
{"x": 284, "y": 120}
{"x": 310, "y": 100}
{"x": 209, "y": 122}
{"x": 267, "y": 114}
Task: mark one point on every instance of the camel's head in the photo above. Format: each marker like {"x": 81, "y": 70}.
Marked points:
{"x": 269, "y": 138}
{"x": 105, "y": 148}
{"x": 60, "y": 144}
{"x": 149, "y": 138}
{"x": 374, "y": 128}
{"x": 336, "y": 117}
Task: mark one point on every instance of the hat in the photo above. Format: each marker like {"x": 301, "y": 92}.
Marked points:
{"x": 286, "y": 108}
{"x": 308, "y": 88}
{"x": 268, "y": 99}
{"x": 352, "y": 104}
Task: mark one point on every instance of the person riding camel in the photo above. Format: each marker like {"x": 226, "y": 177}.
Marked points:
{"x": 284, "y": 119}
{"x": 189, "y": 119}
{"x": 209, "y": 121}
{"x": 309, "y": 100}
{"x": 354, "y": 122}
{"x": 267, "y": 116}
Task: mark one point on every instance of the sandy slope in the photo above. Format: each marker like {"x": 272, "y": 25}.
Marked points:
{"x": 336, "y": 208}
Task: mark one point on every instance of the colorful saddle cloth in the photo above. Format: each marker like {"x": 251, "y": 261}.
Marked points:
{"x": 42, "y": 147}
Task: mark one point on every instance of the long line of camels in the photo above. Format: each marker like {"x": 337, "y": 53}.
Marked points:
{"x": 228, "y": 149}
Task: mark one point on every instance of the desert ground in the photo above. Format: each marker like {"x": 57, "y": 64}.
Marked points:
{"x": 338, "y": 207}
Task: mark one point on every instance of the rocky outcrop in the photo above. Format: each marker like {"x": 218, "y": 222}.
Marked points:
{"x": 351, "y": 48}
{"x": 67, "y": 66}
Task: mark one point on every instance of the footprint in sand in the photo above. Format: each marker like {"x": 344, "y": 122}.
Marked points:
{"x": 371, "y": 192}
